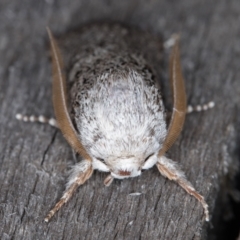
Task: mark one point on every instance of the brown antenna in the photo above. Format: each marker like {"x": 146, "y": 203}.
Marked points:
{"x": 179, "y": 100}
{"x": 60, "y": 100}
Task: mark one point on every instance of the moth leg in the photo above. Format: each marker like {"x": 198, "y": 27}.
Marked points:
{"x": 41, "y": 119}
{"x": 169, "y": 169}
{"x": 200, "y": 108}
{"x": 108, "y": 180}
{"x": 80, "y": 173}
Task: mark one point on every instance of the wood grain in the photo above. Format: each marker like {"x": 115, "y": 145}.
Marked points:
{"x": 34, "y": 158}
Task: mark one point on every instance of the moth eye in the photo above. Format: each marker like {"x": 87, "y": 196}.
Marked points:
{"x": 148, "y": 157}
{"x": 100, "y": 159}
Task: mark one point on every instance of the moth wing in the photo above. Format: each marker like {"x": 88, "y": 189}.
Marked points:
{"x": 179, "y": 100}
{"x": 60, "y": 100}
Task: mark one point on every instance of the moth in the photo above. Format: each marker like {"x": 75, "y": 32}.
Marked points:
{"x": 108, "y": 105}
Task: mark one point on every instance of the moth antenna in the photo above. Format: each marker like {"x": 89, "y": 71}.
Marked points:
{"x": 200, "y": 108}
{"x": 60, "y": 100}
{"x": 41, "y": 119}
{"x": 179, "y": 100}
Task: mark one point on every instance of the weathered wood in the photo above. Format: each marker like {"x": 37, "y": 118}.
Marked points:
{"x": 35, "y": 158}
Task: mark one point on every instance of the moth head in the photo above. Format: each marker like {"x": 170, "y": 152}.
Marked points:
{"x": 125, "y": 167}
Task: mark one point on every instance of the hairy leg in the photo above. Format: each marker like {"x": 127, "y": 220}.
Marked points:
{"x": 169, "y": 169}
{"x": 80, "y": 173}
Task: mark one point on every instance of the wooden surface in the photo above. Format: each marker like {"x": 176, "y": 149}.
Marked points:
{"x": 34, "y": 158}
